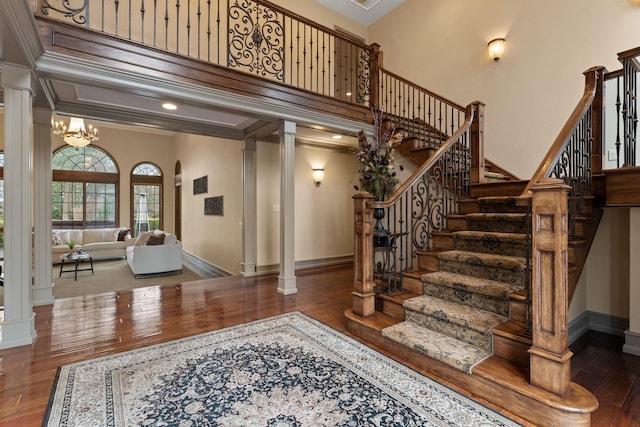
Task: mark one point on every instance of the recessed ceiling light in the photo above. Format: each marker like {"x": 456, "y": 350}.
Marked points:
{"x": 348, "y": 94}
{"x": 169, "y": 106}
{"x": 337, "y": 137}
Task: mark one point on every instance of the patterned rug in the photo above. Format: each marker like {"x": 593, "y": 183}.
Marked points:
{"x": 288, "y": 370}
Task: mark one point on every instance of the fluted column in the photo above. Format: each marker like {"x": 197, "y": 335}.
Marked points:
{"x": 42, "y": 271}
{"x": 287, "y": 277}
{"x": 249, "y": 208}
{"x": 18, "y": 327}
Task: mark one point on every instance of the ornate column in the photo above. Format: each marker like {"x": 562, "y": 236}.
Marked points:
{"x": 363, "y": 297}
{"x": 249, "y": 208}
{"x": 549, "y": 355}
{"x": 18, "y": 326}
{"x": 42, "y": 271}
{"x": 287, "y": 277}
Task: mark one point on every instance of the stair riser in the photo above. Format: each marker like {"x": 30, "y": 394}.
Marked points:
{"x": 429, "y": 262}
{"x": 491, "y": 225}
{"x": 518, "y": 310}
{"x": 491, "y": 245}
{"x": 510, "y": 275}
{"x": 464, "y": 297}
{"x": 456, "y": 223}
{"x": 393, "y": 309}
{"x": 501, "y": 207}
{"x": 511, "y": 350}
{"x": 443, "y": 326}
{"x": 442, "y": 240}
{"x": 410, "y": 284}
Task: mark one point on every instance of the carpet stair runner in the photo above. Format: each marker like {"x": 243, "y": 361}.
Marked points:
{"x": 460, "y": 305}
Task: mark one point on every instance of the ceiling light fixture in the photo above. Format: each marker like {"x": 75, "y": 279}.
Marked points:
{"x": 76, "y": 134}
{"x": 169, "y": 106}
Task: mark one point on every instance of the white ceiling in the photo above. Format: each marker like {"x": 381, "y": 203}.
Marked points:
{"x": 365, "y": 12}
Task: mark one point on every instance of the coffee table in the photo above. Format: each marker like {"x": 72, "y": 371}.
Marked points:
{"x": 76, "y": 258}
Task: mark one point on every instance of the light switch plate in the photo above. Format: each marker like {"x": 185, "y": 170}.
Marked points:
{"x": 611, "y": 155}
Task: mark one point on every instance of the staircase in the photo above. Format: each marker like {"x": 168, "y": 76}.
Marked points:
{"x": 458, "y": 307}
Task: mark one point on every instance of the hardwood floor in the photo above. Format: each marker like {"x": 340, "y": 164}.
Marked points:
{"x": 79, "y": 328}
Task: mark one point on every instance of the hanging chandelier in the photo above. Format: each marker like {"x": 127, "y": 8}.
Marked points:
{"x": 76, "y": 134}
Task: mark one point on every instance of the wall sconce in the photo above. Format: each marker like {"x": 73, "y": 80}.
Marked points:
{"x": 496, "y": 48}
{"x": 318, "y": 175}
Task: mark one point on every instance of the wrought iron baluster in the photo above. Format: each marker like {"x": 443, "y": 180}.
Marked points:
{"x": 142, "y": 23}
{"x": 79, "y": 15}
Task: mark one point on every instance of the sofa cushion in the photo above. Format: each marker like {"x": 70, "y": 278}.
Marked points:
{"x": 56, "y": 239}
{"x": 92, "y": 236}
{"x": 142, "y": 238}
{"x": 155, "y": 239}
{"x": 122, "y": 234}
{"x": 170, "y": 239}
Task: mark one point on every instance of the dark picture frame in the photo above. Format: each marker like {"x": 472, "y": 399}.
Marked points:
{"x": 200, "y": 185}
{"x": 214, "y": 206}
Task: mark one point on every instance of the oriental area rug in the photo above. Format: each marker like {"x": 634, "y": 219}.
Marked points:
{"x": 288, "y": 370}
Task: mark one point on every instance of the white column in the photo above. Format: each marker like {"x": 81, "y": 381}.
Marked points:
{"x": 249, "y": 208}
{"x": 42, "y": 270}
{"x": 287, "y": 278}
{"x": 18, "y": 326}
{"x": 632, "y": 336}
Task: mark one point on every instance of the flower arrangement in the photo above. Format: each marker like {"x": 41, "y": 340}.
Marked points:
{"x": 377, "y": 175}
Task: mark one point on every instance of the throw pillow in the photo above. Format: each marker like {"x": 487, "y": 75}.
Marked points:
{"x": 122, "y": 234}
{"x": 155, "y": 239}
{"x": 142, "y": 238}
{"x": 56, "y": 240}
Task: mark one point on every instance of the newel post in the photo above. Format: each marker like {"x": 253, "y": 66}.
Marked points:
{"x": 476, "y": 142}
{"x": 363, "y": 296}
{"x": 549, "y": 355}
{"x": 597, "y": 117}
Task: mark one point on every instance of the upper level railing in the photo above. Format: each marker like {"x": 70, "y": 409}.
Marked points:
{"x": 267, "y": 41}
{"x": 255, "y": 37}
{"x": 626, "y": 107}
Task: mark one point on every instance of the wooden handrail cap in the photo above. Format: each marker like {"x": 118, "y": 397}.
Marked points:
{"x": 546, "y": 184}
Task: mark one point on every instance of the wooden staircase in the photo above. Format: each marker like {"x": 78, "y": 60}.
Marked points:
{"x": 475, "y": 270}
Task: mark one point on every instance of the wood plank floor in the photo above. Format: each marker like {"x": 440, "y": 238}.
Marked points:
{"x": 76, "y": 329}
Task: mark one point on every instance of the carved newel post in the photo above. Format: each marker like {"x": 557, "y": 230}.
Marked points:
{"x": 363, "y": 296}
{"x": 549, "y": 355}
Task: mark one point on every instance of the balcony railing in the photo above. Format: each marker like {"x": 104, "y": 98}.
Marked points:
{"x": 255, "y": 37}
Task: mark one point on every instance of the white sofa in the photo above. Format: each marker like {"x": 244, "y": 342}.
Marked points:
{"x": 99, "y": 242}
{"x": 154, "y": 252}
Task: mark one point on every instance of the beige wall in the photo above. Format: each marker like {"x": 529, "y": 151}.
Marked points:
{"x": 323, "y": 214}
{"x": 215, "y": 239}
{"x": 441, "y": 45}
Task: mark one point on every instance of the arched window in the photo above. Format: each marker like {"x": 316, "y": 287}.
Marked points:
{"x": 146, "y": 197}
{"x": 84, "y": 189}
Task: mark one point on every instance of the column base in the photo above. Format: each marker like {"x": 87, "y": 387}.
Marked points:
{"x": 42, "y": 295}
{"x": 18, "y": 332}
{"x": 287, "y": 286}
{"x": 550, "y": 371}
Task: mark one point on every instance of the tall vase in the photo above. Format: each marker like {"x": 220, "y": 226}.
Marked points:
{"x": 378, "y": 214}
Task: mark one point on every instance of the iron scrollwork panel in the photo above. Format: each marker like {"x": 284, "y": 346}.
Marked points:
{"x": 256, "y": 40}
{"x": 68, "y": 10}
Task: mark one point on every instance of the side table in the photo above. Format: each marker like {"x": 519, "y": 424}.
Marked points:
{"x": 76, "y": 258}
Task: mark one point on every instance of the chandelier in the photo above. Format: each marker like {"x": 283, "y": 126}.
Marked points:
{"x": 76, "y": 134}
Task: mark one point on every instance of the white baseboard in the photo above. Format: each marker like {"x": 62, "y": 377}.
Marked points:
{"x": 631, "y": 343}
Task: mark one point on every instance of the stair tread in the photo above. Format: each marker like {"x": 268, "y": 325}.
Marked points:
{"x": 479, "y": 285}
{"x": 453, "y": 352}
{"x": 453, "y": 312}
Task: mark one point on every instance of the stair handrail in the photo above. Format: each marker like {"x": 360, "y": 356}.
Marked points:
{"x": 545, "y": 169}
{"x": 420, "y": 171}
{"x": 406, "y": 221}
